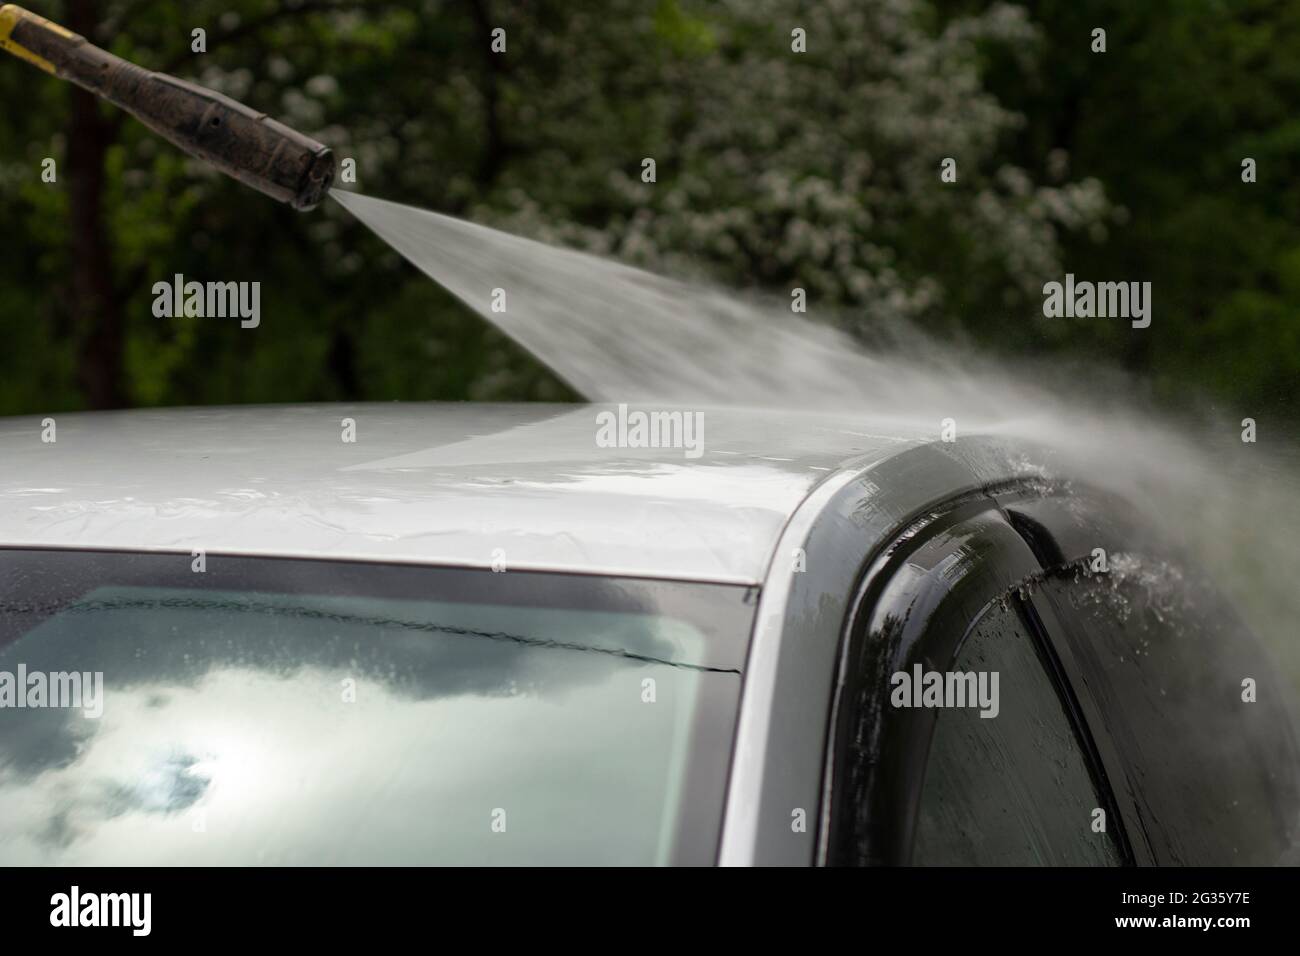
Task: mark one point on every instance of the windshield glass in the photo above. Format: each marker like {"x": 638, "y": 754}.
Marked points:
{"x": 309, "y": 712}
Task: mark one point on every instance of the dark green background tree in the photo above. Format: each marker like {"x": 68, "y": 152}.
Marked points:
{"x": 774, "y": 169}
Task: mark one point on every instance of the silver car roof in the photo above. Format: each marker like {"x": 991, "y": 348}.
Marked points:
{"x": 521, "y": 486}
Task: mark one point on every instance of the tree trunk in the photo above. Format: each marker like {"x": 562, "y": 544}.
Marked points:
{"x": 494, "y": 148}
{"x": 102, "y": 330}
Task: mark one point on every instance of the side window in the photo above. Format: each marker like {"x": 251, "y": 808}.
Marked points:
{"x": 1012, "y": 788}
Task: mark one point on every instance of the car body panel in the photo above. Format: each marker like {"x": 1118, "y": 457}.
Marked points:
{"x": 800, "y": 506}
{"x": 451, "y": 484}
{"x": 525, "y": 486}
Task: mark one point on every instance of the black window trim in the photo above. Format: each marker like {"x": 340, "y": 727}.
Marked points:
{"x": 897, "y": 809}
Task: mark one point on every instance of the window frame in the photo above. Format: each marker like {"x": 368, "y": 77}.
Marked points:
{"x": 869, "y": 810}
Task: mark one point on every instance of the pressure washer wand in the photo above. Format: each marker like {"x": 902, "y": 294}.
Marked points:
{"x": 240, "y": 142}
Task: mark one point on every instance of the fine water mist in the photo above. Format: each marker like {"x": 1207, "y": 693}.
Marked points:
{"x": 620, "y": 334}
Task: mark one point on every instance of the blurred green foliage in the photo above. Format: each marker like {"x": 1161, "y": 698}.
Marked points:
{"x": 1186, "y": 90}
{"x": 774, "y": 169}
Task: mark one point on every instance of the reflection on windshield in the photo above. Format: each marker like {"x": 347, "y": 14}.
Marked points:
{"x": 290, "y": 728}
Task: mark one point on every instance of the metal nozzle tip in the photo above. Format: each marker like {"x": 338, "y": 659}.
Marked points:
{"x": 316, "y": 181}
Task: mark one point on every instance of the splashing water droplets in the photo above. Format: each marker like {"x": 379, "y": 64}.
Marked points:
{"x": 620, "y": 334}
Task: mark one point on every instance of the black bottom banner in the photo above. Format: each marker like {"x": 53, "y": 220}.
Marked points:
{"x": 335, "y": 906}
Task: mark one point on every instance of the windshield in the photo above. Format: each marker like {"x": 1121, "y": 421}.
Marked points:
{"x": 167, "y": 709}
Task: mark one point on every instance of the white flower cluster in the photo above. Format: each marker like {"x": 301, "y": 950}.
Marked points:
{"x": 779, "y": 169}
